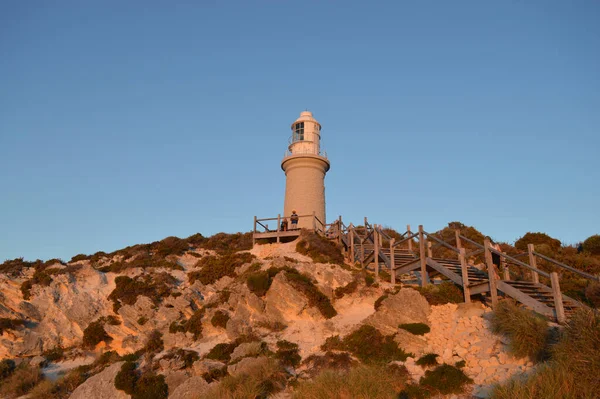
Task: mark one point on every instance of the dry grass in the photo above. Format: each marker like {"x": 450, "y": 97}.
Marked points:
{"x": 319, "y": 249}
{"x": 442, "y": 293}
{"x": 21, "y": 381}
{"x": 216, "y": 267}
{"x": 373, "y": 382}
{"x": 263, "y": 380}
{"x": 573, "y": 371}
{"x": 528, "y": 332}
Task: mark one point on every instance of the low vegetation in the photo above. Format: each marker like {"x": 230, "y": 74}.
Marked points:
{"x": 141, "y": 385}
{"x": 10, "y": 324}
{"x": 287, "y": 353}
{"x": 427, "y": 360}
{"x": 442, "y": 293}
{"x": 415, "y": 328}
{"x": 19, "y": 380}
{"x": 340, "y": 361}
{"x": 95, "y": 333}
{"x": 348, "y": 289}
{"x": 154, "y": 286}
{"x": 528, "y": 332}
{"x": 217, "y": 267}
{"x": 260, "y": 382}
{"x": 373, "y": 381}
{"x": 319, "y": 249}
{"x": 379, "y": 301}
{"x": 573, "y": 370}
{"x": 368, "y": 345}
{"x": 220, "y": 319}
{"x": 193, "y": 325}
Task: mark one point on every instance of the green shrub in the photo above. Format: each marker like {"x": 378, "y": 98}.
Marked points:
{"x": 222, "y": 352}
{"x": 142, "y": 320}
{"x": 220, "y": 319}
{"x": 349, "y": 288}
{"x": 154, "y": 286}
{"x": 95, "y": 333}
{"x": 272, "y": 325}
{"x": 370, "y": 346}
{"x": 194, "y": 324}
{"x": 369, "y": 280}
{"x": 319, "y": 249}
{"x": 304, "y": 284}
{"x": 441, "y": 294}
{"x": 215, "y": 374}
{"x": 7, "y": 367}
{"x": 537, "y": 239}
{"x": 429, "y": 359}
{"x": 126, "y": 378}
{"x": 214, "y": 267}
{"x": 16, "y": 266}
{"x": 20, "y": 381}
{"x": 445, "y": 379}
{"x": 55, "y": 354}
{"x": 287, "y": 353}
{"x": 592, "y": 244}
{"x": 151, "y": 386}
{"x": 528, "y": 332}
{"x": 291, "y": 260}
{"x": 372, "y": 382}
{"x": 78, "y": 258}
{"x": 333, "y": 343}
{"x": 379, "y": 300}
{"x": 10, "y": 324}
{"x": 592, "y": 294}
{"x": 154, "y": 343}
{"x": 227, "y": 243}
{"x": 415, "y": 328}
{"x": 259, "y": 283}
{"x": 330, "y": 360}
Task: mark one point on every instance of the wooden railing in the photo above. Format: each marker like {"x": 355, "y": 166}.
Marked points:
{"x": 317, "y": 225}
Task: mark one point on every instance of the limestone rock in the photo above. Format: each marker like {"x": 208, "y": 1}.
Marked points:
{"x": 283, "y": 302}
{"x": 247, "y": 365}
{"x": 204, "y": 366}
{"x": 407, "y": 306}
{"x": 410, "y": 343}
{"x": 101, "y": 386}
{"x": 247, "y": 349}
{"x": 189, "y": 389}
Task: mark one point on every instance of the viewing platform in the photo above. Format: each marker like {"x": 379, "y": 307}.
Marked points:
{"x": 262, "y": 230}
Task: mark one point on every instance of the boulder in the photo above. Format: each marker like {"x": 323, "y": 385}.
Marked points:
{"x": 248, "y": 349}
{"x": 204, "y": 366}
{"x": 247, "y": 365}
{"x": 410, "y": 343}
{"x": 407, "y": 306}
{"x": 283, "y": 302}
{"x": 189, "y": 389}
{"x": 101, "y": 386}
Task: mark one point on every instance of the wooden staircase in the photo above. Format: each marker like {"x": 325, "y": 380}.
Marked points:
{"x": 546, "y": 300}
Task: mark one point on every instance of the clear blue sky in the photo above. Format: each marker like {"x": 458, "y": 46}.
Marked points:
{"x": 126, "y": 122}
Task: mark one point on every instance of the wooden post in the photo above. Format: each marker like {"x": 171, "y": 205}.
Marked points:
{"x": 376, "y": 251}
{"x": 465, "y": 275}
{"x": 558, "y": 303}
{"x": 351, "y": 238}
{"x": 339, "y": 230}
{"x": 392, "y": 261}
{"x": 254, "y": 232}
{"x": 278, "y": 226}
{"x": 429, "y": 250}
{"x": 410, "y": 242}
{"x": 424, "y": 276}
{"x": 457, "y": 236}
{"x": 535, "y": 277}
{"x": 380, "y": 236}
{"x": 491, "y": 273}
{"x": 505, "y": 270}
{"x": 362, "y": 253}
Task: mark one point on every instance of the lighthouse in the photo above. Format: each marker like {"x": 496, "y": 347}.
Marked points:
{"x": 305, "y": 166}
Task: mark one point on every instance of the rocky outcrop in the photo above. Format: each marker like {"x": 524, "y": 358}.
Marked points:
{"x": 101, "y": 386}
{"x": 189, "y": 389}
{"x": 407, "y": 306}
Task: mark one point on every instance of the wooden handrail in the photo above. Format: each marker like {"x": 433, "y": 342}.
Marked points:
{"x": 471, "y": 241}
{"x": 557, "y": 263}
{"x": 519, "y": 263}
{"x": 406, "y": 239}
{"x": 444, "y": 243}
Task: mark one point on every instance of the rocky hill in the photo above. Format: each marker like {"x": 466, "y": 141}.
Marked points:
{"x": 217, "y": 318}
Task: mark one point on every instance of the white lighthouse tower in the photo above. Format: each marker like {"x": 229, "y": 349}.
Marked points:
{"x": 305, "y": 167}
